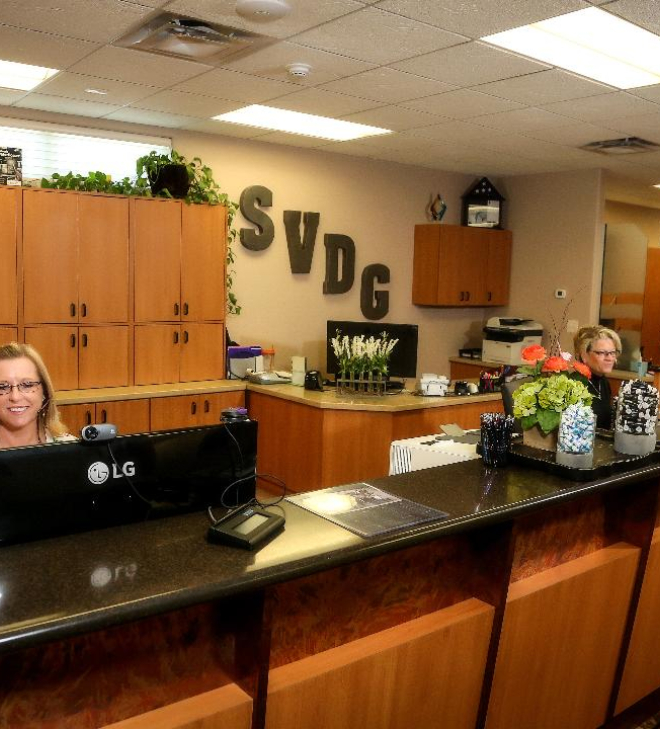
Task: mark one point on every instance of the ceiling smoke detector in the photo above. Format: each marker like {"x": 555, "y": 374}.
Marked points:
{"x": 185, "y": 37}
{"x": 262, "y": 11}
{"x": 299, "y": 70}
{"x": 627, "y": 145}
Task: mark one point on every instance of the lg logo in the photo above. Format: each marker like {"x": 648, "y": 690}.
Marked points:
{"x": 99, "y": 472}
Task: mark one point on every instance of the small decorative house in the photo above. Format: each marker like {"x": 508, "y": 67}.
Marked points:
{"x": 482, "y": 205}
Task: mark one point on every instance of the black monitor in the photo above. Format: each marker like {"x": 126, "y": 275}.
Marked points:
{"x": 62, "y": 488}
{"x": 403, "y": 361}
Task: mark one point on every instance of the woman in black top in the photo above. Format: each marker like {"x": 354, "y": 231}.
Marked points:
{"x": 598, "y": 347}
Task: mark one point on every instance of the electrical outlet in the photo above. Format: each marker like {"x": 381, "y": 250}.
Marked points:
{"x": 560, "y": 293}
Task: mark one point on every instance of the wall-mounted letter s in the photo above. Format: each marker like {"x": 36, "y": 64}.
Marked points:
{"x": 250, "y": 198}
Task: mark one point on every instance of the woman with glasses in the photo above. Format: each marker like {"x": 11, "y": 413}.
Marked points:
{"x": 28, "y": 414}
{"x": 598, "y": 347}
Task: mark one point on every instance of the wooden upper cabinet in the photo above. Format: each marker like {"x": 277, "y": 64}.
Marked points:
{"x": 461, "y": 266}
{"x": 50, "y": 256}
{"x": 650, "y": 335}
{"x": 156, "y": 236}
{"x": 103, "y": 259}
{"x": 203, "y": 254}
{"x": 9, "y": 210}
{"x": 202, "y": 352}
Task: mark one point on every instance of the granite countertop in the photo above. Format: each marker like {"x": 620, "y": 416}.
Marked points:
{"x": 74, "y": 584}
{"x": 135, "y": 392}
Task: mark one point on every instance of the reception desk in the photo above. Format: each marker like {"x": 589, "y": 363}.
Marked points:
{"x": 532, "y": 605}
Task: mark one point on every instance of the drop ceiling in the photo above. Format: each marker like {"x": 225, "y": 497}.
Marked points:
{"x": 414, "y": 66}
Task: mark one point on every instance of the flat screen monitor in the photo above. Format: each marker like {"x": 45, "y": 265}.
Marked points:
{"x": 403, "y": 361}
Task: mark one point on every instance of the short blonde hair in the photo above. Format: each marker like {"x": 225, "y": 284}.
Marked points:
{"x": 587, "y": 336}
{"x": 49, "y": 417}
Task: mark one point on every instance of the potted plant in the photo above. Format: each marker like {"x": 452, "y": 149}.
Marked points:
{"x": 165, "y": 174}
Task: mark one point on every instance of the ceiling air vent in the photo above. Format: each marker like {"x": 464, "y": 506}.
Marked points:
{"x": 196, "y": 40}
{"x": 627, "y": 145}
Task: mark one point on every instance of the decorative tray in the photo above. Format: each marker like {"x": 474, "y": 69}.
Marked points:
{"x": 606, "y": 460}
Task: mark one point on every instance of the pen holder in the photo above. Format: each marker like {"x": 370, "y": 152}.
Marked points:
{"x": 496, "y": 429}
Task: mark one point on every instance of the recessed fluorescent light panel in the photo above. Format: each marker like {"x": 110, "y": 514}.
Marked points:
{"x": 22, "y": 76}
{"x": 592, "y": 43}
{"x": 295, "y": 122}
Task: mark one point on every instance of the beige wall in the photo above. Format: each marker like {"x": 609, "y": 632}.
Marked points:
{"x": 647, "y": 219}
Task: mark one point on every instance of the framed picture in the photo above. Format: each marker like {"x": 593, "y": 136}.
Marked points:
{"x": 484, "y": 215}
{"x": 482, "y": 205}
{"x": 11, "y": 166}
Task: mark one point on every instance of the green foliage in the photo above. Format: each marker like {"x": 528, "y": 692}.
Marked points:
{"x": 543, "y": 400}
{"x": 203, "y": 189}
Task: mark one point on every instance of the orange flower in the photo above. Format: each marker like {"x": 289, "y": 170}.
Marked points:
{"x": 555, "y": 364}
{"x": 533, "y": 353}
{"x": 582, "y": 369}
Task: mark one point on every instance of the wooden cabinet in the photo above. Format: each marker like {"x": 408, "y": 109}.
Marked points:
{"x": 9, "y": 218}
{"x": 82, "y": 357}
{"x": 185, "y": 411}
{"x": 461, "y": 266}
{"x": 75, "y": 257}
{"x": 8, "y": 334}
{"x": 179, "y": 261}
{"x": 650, "y": 335}
{"x": 179, "y": 352}
{"x": 130, "y": 416}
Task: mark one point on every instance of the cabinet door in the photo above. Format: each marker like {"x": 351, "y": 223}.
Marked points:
{"x": 156, "y": 237}
{"x": 426, "y": 264}
{"x": 650, "y": 335}
{"x": 58, "y": 347}
{"x": 212, "y": 404}
{"x": 103, "y": 357}
{"x": 170, "y": 413}
{"x": 498, "y": 274}
{"x": 76, "y": 417}
{"x": 8, "y": 334}
{"x": 8, "y": 241}
{"x": 103, "y": 259}
{"x": 50, "y": 256}
{"x": 203, "y": 257}
{"x": 130, "y": 416}
{"x": 202, "y": 352}
{"x": 157, "y": 354}
{"x": 461, "y": 268}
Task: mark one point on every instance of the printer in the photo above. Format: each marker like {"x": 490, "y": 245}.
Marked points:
{"x": 506, "y": 337}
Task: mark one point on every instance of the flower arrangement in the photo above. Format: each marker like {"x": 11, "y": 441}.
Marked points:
{"x": 559, "y": 381}
{"x": 359, "y": 355}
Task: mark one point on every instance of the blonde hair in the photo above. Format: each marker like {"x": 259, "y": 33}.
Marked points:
{"x": 587, "y": 336}
{"x": 49, "y": 418}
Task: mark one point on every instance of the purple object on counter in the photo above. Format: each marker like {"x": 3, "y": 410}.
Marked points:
{"x": 243, "y": 352}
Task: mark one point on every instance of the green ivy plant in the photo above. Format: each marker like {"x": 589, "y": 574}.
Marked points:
{"x": 203, "y": 189}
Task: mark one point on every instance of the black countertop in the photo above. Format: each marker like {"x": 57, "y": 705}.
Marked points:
{"x": 70, "y": 585}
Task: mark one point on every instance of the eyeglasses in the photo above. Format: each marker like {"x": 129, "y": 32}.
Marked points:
{"x": 611, "y": 353}
{"x": 25, "y": 387}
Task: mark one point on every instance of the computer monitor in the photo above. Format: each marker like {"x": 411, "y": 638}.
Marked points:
{"x": 403, "y": 361}
{"x": 62, "y": 488}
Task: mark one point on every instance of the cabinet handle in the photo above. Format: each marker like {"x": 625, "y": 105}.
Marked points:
{"x": 460, "y": 298}
{"x": 176, "y": 310}
{"x": 207, "y": 406}
{"x": 185, "y": 336}
{"x": 467, "y": 295}
{"x": 176, "y": 337}
{"x": 193, "y": 407}
{"x": 88, "y": 417}
{"x": 73, "y": 340}
{"x": 490, "y": 296}
{"x": 72, "y": 309}
{"x": 84, "y": 340}
{"x": 104, "y": 415}
{"x": 185, "y": 308}
{"x": 83, "y": 309}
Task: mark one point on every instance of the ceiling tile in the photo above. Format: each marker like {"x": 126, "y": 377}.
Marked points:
{"x": 124, "y": 64}
{"x": 73, "y": 86}
{"x": 522, "y": 120}
{"x": 378, "y": 37}
{"x": 476, "y": 19}
{"x": 387, "y": 84}
{"x": 325, "y": 103}
{"x": 224, "y": 128}
{"x": 292, "y": 140}
{"x": 101, "y": 20}
{"x": 304, "y": 14}
{"x": 461, "y": 135}
{"x": 646, "y": 126}
{"x": 603, "y": 107}
{"x": 573, "y": 135}
{"x": 173, "y": 102}
{"x": 225, "y": 84}
{"x": 461, "y": 104}
{"x": 41, "y": 49}
{"x": 640, "y": 12}
{"x": 393, "y": 117}
{"x": 152, "y": 118}
{"x": 469, "y": 64}
{"x": 9, "y": 96}
{"x": 651, "y": 93}
{"x": 272, "y": 62}
{"x": 65, "y": 106}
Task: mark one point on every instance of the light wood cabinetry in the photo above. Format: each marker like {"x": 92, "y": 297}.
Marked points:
{"x": 130, "y": 416}
{"x": 9, "y": 220}
{"x": 8, "y": 334}
{"x": 75, "y": 257}
{"x": 82, "y": 357}
{"x": 650, "y": 335}
{"x": 461, "y": 266}
{"x": 184, "y": 411}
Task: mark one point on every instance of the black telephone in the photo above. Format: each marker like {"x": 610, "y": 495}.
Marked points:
{"x": 313, "y": 380}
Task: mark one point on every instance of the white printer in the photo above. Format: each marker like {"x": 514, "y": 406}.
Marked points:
{"x": 506, "y": 337}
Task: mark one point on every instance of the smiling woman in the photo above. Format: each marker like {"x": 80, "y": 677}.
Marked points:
{"x": 28, "y": 414}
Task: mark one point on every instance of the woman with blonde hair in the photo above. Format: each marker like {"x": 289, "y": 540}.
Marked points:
{"x": 28, "y": 414}
{"x": 598, "y": 347}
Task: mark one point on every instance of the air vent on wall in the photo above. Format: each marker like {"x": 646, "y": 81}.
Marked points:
{"x": 627, "y": 145}
{"x": 185, "y": 37}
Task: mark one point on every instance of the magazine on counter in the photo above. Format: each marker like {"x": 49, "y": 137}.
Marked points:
{"x": 366, "y": 510}
{"x": 11, "y": 166}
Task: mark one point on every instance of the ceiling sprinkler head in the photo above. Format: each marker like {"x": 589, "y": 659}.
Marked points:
{"x": 300, "y": 70}
{"x": 262, "y": 11}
